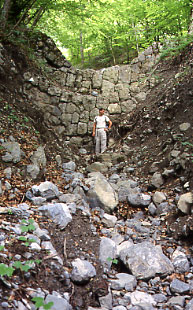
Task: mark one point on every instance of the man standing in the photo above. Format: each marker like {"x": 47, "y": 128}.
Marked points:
{"x": 100, "y": 129}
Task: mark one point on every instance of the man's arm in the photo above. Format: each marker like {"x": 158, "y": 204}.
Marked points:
{"x": 110, "y": 124}
{"x": 94, "y": 129}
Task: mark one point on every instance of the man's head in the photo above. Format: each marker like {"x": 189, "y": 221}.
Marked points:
{"x": 101, "y": 111}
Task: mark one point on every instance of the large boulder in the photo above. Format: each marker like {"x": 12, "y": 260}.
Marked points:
{"x": 100, "y": 193}
{"x": 145, "y": 260}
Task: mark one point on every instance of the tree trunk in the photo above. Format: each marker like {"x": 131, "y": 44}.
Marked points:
{"x": 5, "y": 12}
{"x": 136, "y": 37}
{"x": 23, "y": 16}
{"x": 39, "y": 14}
{"x": 81, "y": 48}
{"x": 112, "y": 52}
{"x": 190, "y": 30}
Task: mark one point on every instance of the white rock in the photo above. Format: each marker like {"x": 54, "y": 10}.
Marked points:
{"x": 123, "y": 281}
{"x": 185, "y": 203}
{"x": 109, "y": 220}
{"x": 47, "y": 245}
{"x": 107, "y": 252}
{"x": 145, "y": 260}
{"x": 101, "y": 194}
{"x": 35, "y": 247}
{"x": 184, "y": 126}
{"x": 158, "y": 197}
{"x": 138, "y": 297}
{"x": 59, "y": 303}
{"x": 157, "y": 180}
{"x": 124, "y": 246}
{"x": 82, "y": 271}
{"x": 106, "y": 301}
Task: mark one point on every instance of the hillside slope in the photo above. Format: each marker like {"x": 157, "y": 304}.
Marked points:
{"x": 156, "y": 128}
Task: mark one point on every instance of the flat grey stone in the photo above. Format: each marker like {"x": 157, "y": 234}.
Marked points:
{"x": 176, "y": 300}
{"x": 178, "y": 286}
{"x": 123, "y": 281}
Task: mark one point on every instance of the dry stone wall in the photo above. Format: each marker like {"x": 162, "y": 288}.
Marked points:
{"x": 69, "y": 99}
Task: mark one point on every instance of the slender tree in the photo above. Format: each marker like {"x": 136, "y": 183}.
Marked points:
{"x": 190, "y": 30}
{"x": 5, "y": 12}
{"x": 23, "y": 16}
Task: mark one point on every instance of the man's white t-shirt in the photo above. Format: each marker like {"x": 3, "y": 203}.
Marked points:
{"x": 101, "y": 121}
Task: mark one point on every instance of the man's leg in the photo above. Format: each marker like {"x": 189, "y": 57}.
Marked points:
{"x": 97, "y": 141}
{"x": 103, "y": 141}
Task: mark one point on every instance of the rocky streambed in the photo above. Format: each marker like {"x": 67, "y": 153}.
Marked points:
{"x": 102, "y": 242}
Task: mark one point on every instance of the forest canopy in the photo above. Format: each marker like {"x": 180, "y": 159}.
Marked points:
{"x": 102, "y": 31}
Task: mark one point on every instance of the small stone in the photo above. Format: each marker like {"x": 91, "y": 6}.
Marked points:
{"x": 158, "y": 197}
{"x": 176, "y": 300}
{"x": 109, "y": 220}
{"x": 185, "y": 202}
{"x": 184, "y": 126}
{"x": 180, "y": 287}
{"x": 157, "y": 180}
{"x": 82, "y": 271}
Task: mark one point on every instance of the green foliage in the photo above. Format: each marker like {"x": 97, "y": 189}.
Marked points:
{"x": 113, "y": 260}
{"x": 22, "y": 266}
{"x": 12, "y": 113}
{"x": 176, "y": 46}
{"x": 5, "y": 270}
{"x": 25, "y": 266}
{"x": 13, "y": 118}
{"x": 27, "y": 241}
{"x": 113, "y": 30}
{"x": 39, "y": 302}
{"x": 27, "y": 225}
{"x": 9, "y": 211}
